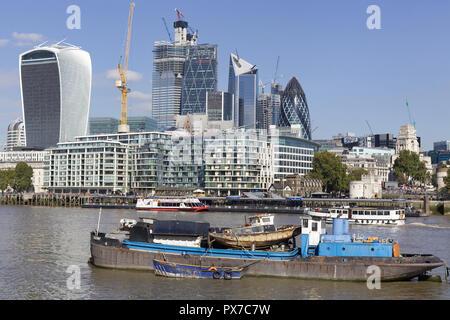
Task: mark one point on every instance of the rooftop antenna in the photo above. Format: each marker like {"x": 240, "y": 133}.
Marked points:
{"x": 60, "y": 42}
{"x": 40, "y": 45}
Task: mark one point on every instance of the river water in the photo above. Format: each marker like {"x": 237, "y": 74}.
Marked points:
{"x": 39, "y": 244}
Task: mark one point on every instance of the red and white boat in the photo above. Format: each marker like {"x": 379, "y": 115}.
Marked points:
{"x": 182, "y": 204}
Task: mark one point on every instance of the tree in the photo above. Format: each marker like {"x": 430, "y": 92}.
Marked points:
{"x": 409, "y": 169}
{"x": 447, "y": 180}
{"x": 354, "y": 175}
{"x": 329, "y": 168}
{"x": 6, "y": 179}
{"x": 23, "y": 175}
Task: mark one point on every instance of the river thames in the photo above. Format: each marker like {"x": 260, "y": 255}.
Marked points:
{"x": 39, "y": 244}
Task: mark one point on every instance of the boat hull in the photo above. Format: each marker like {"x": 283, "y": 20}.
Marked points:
{"x": 196, "y": 209}
{"x": 259, "y": 240}
{"x": 108, "y": 255}
{"x": 177, "y": 270}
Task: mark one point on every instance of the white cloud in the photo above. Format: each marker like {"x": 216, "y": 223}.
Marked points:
{"x": 132, "y": 76}
{"x": 28, "y": 37}
{"x": 3, "y": 42}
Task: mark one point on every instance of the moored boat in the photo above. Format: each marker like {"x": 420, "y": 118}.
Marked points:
{"x": 181, "y": 270}
{"x": 171, "y": 204}
{"x": 338, "y": 256}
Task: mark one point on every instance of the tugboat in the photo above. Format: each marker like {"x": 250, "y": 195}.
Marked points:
{"x": 181, "y": 204}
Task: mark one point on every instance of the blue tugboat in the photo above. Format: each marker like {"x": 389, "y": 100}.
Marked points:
{"x": 180, "y": 270}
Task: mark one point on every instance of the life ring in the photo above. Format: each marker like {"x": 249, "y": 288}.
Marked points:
{"x": 216, "y": 275}
{"x": 212, "y": 269}
{"x": 227, "y": 275}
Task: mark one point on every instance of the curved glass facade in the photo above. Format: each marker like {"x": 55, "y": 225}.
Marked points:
{"x": 294, "y": 109}
{"x": 56, "y": 91}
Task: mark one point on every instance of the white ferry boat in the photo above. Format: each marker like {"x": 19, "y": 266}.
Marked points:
{"x": 182, "y": 204}
{"x": 378, "y": 216}
{"x": 363, "y": 216}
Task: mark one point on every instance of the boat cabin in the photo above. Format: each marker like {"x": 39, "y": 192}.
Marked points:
{"x": 314, "y": 227}
{"x": 261, "y": 220}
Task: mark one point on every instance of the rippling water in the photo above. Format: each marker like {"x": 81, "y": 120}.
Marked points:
{"x": 38, "y": 244}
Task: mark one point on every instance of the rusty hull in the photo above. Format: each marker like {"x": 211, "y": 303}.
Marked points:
{"x": 313, "y": 267}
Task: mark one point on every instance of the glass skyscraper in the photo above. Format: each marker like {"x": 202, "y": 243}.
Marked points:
{"x": 200, "y": 76}
{"x": 294, "y": 109}
{"x": 243, "y": 83}
{"x": 56, "y": 91}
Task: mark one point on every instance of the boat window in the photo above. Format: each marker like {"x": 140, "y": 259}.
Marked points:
{"x": 266, "y": 219}
{"x": 314, "y": 226}
{"x": 379, "y": 213}
{"x": 367, "y": 213}
{"x": 305, "y": 223}
{"x": 386, "y": 213}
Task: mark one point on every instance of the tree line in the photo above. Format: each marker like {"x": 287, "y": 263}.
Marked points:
{"x": 18, "y": 178}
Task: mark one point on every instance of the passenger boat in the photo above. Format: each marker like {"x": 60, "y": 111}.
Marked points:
{"x": 256, "y": 236}
{"x": 181, "y": 204}
{"x": 378, "y": 216}
{"x": 361, "y": 215}
{"x": 180, "y": 270}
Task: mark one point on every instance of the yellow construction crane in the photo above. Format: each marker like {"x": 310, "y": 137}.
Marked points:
{"x": 122, "y": 83}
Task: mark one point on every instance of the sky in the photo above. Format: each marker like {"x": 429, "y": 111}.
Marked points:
{"x": 350, "y": 73}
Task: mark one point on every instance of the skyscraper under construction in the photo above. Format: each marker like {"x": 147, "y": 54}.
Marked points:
{"x": 182, "y": 74}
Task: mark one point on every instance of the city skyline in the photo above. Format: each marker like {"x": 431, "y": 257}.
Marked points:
{"x": 349, "y": 73}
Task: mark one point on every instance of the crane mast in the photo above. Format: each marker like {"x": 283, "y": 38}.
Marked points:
{"x": 122, "y": 83}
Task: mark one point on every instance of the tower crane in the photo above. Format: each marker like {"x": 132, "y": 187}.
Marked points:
{"x": 122, "y": 83}
{"x": 167, "y": 29}
{"x": 370, "y": 128}
{"x": 411, "y": 119}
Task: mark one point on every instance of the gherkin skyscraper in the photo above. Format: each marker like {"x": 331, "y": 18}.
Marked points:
{"x": 294, "y": 108}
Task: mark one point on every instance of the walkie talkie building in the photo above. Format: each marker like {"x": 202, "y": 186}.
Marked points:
{"x": 56, "y": 90}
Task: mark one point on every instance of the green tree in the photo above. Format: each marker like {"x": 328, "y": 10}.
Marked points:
{"x": 409, "y": 169}
{"x": 447, "y": 180}
{"x": 354, "y": 175}
{"x": 329, "y": 168}
{"x": 23, "y": 175}
{"x": 6, "y": 179}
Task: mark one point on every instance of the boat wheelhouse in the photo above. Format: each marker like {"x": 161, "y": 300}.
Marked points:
{"x": 171, "y": 204}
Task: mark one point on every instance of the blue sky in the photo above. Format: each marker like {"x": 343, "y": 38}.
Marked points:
{"x": 349, "y": 73}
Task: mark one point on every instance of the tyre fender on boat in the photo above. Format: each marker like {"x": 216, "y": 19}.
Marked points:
{"x": 227, "y": 275}
{"x": 216, "y": 274}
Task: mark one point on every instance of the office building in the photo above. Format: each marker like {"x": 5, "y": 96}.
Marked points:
{"x": 200, "y": 77}
{"x": 168, "y": 71}
{"x": 15, "y": 136}
{"x": 243, "y": 83}
{"x": 442, "y": 145}
{"x": 110, "y": 125}
{"x": 56, "y": 90}
{"x": 386, "y": 140}
{"x": 291, "y": 153}
{"x": 294, "y": 108}
{"x": 219, "y": 106}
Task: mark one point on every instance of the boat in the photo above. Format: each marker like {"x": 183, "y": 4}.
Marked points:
{"x": 255, "y": 237}
{"x": 336, "y": 256}
{"x": 362, "y": 215}
{"x": 171, "y": 204}
{"x": 180, "y": 270}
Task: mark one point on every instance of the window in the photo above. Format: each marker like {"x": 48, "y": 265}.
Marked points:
{"x": 305, "y": 223}
{"x": 314, "y": 226}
